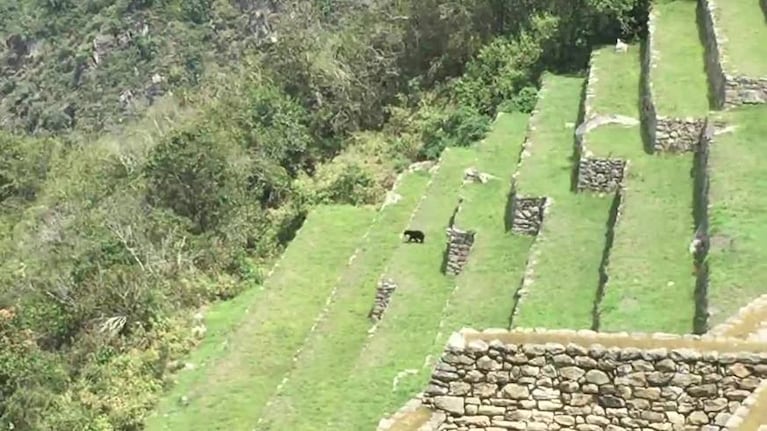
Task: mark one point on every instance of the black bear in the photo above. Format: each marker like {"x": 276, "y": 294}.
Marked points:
{"x": 414, "y": 235}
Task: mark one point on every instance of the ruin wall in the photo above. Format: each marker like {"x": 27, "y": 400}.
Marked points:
{"x": 588, "y": 381}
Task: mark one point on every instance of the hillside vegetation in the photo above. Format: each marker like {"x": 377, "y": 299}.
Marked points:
{"x": 157, "y": 155}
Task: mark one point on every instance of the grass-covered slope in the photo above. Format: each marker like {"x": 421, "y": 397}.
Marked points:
{"x": 737, "y": 214}
{"x": 568, "y": 250}
{"x": 340, "y": 335}
{"x": 232, "y": 391}
{"x": 484, "y": 294}
{"x": 405, "y": 336}
{"x": 649, "y": 267}
{"x": 679, "y": 77}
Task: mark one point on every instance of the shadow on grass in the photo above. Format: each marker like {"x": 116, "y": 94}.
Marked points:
{"x": 646, "y": 108}
{"x": 763, "y": 7}
{"x": 575, "y": 157}
{"x": 612, "y": 219}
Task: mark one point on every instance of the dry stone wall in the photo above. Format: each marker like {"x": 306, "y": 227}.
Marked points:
{"x": 384, "y": 292}
{"x": 459, "y": 244}
{"x": 700, "y": 209}
{"x": 600, "y": 175}
{"x": 677, "y": 134}
{"x": 729, "y": 88}
{"x": 532, "y": 380}
{"x": 527, "y": 214}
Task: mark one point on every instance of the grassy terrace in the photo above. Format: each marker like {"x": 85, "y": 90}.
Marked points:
{"x": 738, "y": 213}
{"x": 484, "y": 296}
{"x": 647, "y": 272}
{"x": 338, "y": 386}
{"x": 341, "y": 335}
{"x": 617, "y": 89}
{"x": 743, "y": 24}
{"x": 233, "y": 389}
{"x": 679, "y": 78}
{"x": 573, "y": 234}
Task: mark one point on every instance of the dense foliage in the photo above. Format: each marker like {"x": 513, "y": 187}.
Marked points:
{"x": 108, "y": 240}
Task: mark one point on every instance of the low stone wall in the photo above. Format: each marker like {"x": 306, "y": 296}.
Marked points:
{"x": 677, "y": 134}
{"x": 648, "y": 113}
{"x": 741, "y": 419}
{"x": 459, "y": 244}
{"x": 384, "y": 292}
{"x": 600, "y": 175}
{"x": 588, "y": 381}
{"x": 730, "y": 89}
{"x": 527, "y": 215}
{"x": 700, "y": 210}
{"x": 743, "y": 90}
{"x": 713, "y": 39}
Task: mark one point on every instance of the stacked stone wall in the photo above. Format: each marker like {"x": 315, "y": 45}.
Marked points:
{"x": 527, "y": 214}
{"x": 600, "y": 174}
{"x": 649, "y": 116}
{"x": 700, "y": 208}
{"x": 729, "y": 88}
{"x": 678, "y": 135}
{"x": 384, "y": 292}
{"x": 587, "y": 381}
{"x": 459, "y": 243}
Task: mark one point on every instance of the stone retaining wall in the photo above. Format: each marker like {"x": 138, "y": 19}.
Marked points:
{"x": 677, "y": 134}
{"x": 527, "y": 214}
{"x": 753, "y": 405}
{"x": 700, "y": 210}
{"x": 459, "y": 244}
{"x": 532, "y": 380}
{"x": 384, "y": 292}
{"x": 649, "y": 116}
{"x": 730, "y": 89}
{"x": 600, "y": 175}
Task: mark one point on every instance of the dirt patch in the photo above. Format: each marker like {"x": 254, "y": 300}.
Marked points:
{"x": 722, "y": 242}
{"x": 411, "y": 421}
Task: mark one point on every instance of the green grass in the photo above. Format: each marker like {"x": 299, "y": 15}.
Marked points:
{"x": 616, "y": 89}
{"x": 341, "y": 335}
{"x": 354, "y": 393}
{"x": 616, "y": 141}
{"x": 650, "y": 268}
{"x": 573, "y": 236}
{"x": 679, "y": 79}
{"x": 235, "y": 388}
{"x": 738, "y": 214}
{"x": 484, "y": 296}
{"x": 742, "y": 22}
